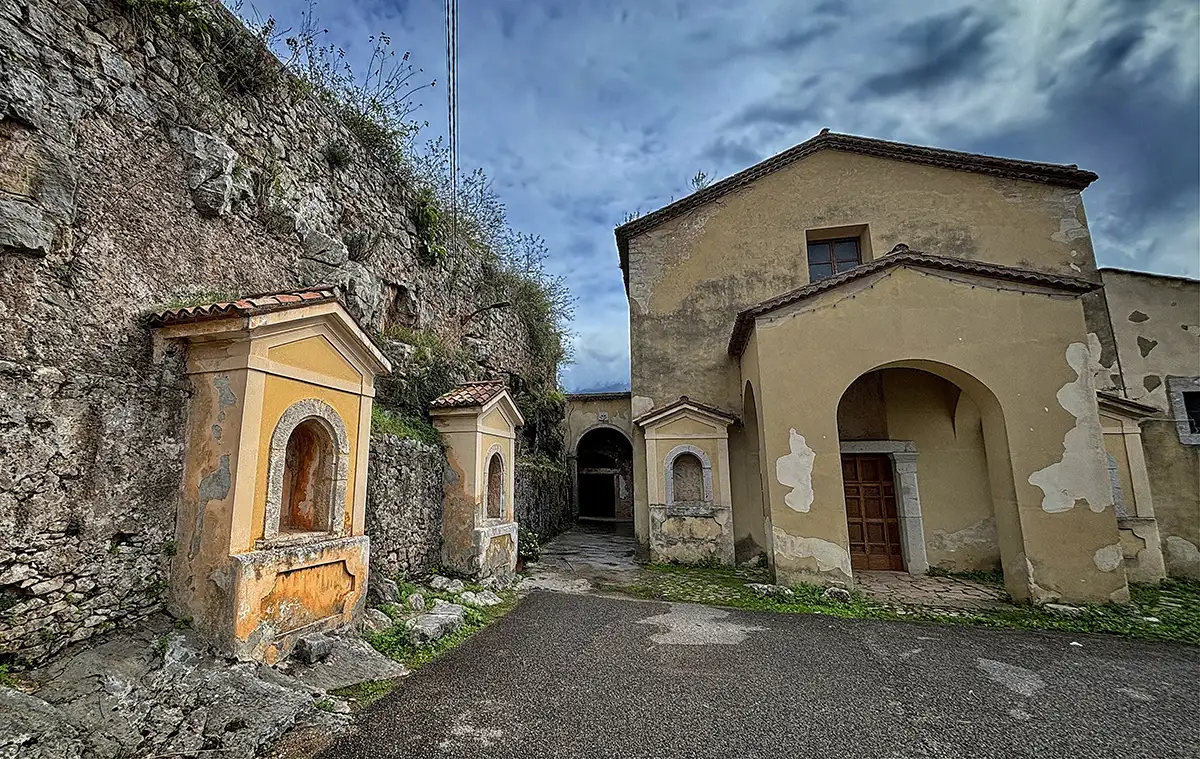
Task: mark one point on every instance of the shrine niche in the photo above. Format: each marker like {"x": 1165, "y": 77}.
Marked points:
{"x": 687, "y": 481}
{"x": 270, "y": 527}
{"x": 479, "y": 422}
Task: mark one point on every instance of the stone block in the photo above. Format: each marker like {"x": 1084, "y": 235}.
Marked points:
{"x": 312, "y": 649}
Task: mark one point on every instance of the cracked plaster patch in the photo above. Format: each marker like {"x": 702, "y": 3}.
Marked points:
{"x": 1019, "y": 680}
{"x": 1108, "y": 558}
{"x": 690, "y": 625}
{"x": 1082, "y": 472}
{"x": 828, "y": 556}
{"x": 795, "y": 471}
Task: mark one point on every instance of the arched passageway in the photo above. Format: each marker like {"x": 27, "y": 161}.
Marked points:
{"x": 915, "y": 470}
{"x": 750, "y": 517}
{"x": 604, "y": 475}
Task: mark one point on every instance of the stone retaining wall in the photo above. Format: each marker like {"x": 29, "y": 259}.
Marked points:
{"x": 543, "y": 499}
{"x": 404, "y": 507}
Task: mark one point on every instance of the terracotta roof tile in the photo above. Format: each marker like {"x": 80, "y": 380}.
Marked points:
{"x": 251, "y": 305}
{"x": 469, "y": 394}
{"x": 901, "y": 256}
{"x": 1062, "y": 175}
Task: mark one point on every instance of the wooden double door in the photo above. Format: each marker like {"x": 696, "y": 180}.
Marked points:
{"x": 871, "y": 514}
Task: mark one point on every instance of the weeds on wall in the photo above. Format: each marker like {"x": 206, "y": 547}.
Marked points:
{"x": 403, "y": 425}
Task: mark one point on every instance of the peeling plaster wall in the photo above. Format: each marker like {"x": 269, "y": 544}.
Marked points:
{"x": 690, "y": 276}
{"x": 1156, "y": 321}
{"x": 922, "y": 321}
{"x": 1080, "y": 477}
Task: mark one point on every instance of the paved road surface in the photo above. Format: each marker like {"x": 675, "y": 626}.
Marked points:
{"x": 585, "y": 676}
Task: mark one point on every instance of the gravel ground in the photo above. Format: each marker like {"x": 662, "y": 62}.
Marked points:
{"x": 585, "y": 676}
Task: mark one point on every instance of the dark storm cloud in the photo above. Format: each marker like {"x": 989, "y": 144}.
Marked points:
{"x": 932, "y": 52}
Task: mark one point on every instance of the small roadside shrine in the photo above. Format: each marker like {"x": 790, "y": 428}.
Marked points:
{"x": 270, "y": 527}
{"x": 479, "y": 422}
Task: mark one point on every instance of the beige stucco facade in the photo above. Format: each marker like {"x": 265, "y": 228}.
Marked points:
{"x": 1156, "y": 322}
{"x": 270, "y": 536}
{"x": 959, "y": 364}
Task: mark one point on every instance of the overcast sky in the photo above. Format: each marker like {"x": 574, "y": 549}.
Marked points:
{"x": 582, "y": 110}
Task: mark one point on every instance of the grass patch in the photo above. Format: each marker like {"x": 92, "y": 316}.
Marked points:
{"x": 1169, "y": 611}
{"x": 402, "y": 425}
{"x": 366, "y": 693}
{"x": 397, "y": 644}
{"x": 6, "y": 679}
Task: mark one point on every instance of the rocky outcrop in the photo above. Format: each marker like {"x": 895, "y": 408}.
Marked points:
{"x": 155, "y": 691}
{"x": 129, "y": 177}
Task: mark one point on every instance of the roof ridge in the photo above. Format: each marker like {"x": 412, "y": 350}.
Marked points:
{"x": 1065, "y": 175}
{"x": 900, "y": 254}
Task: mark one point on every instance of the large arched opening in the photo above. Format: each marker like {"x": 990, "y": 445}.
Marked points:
{"x": 926, "y": 472}
{"x": 604, "y": 475}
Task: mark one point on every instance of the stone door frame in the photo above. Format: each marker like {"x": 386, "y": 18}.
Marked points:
{"x": 903, "y": 455}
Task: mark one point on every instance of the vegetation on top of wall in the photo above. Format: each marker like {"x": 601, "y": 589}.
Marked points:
{"x": 544, "y": 407}
{"x": 459, "y": 224}
{"x": 402, "y": 425}
{"x": 432, "y": 369}
{"x": 541, "y": 462}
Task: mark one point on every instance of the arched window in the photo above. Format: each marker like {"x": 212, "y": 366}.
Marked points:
{"x": 688, "y": 475}
{"x": 307, "y": 479}
{"x": 494, "y": 498}
{"x": 307, "y": 471}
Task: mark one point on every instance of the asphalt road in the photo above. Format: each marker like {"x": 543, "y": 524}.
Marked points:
{"x": 584, "y": 676}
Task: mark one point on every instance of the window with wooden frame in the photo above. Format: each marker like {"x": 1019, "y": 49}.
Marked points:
{"x": 829, "y": 257}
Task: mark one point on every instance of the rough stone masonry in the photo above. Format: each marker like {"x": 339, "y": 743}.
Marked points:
{"x": 127, "y": 180}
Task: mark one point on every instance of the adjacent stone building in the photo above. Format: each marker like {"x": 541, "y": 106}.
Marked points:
{"x": 863, "y": 355}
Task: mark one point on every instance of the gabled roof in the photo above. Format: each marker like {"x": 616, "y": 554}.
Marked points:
{"x": 1070, "y": 176}
{"x": 650, "y": 417}
{"x": 902, "y": 256}
{"x": 252, "y": 305}
{"x": 253, "y": 312}
{"x": 605, "y": 396}
{"x": 469, "y": 394}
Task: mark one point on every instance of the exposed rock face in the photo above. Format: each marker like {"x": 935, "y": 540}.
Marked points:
{"x": 127, "y": 179}
{"x": 154, "y": 692}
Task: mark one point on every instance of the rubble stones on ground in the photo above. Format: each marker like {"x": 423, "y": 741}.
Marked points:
{"x": 482, "y": 598}
{"x": 445, "y": 584}
{"x": 374, "y": 621}
{"x": 415, "y": 601}
{"x": 766, "y": 590}
{"x": 314, "y": 648}
{"x": 1063, "y": 610}
{"x": 837, "y": 595}
{"x": 383, "y": 590}
{"x": 444, "y": 618}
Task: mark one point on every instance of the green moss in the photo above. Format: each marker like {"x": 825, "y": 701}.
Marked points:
{"x": 6, "y": 679}
{"x": 366, "y": 693}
